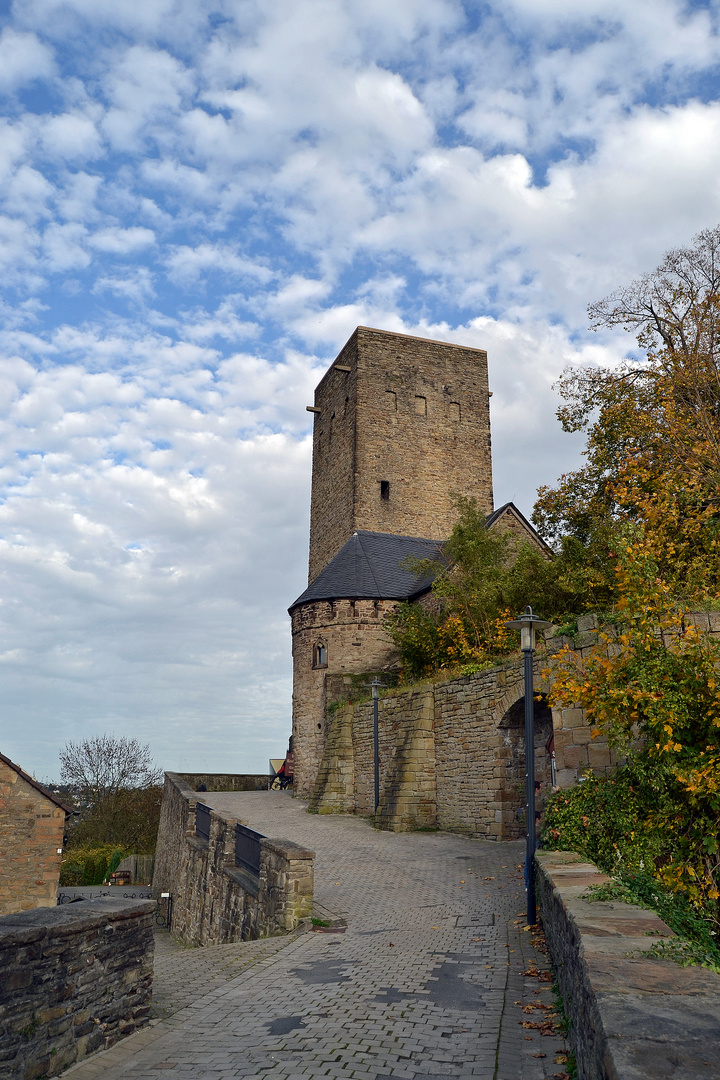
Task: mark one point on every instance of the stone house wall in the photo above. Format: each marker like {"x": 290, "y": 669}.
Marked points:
{"x": 32, "y": 825}
{"x": 214, "y": 901}
{"x": 518, "y": 531}
{"x": 75, "y": 979}
{"x": 410, "y": 412}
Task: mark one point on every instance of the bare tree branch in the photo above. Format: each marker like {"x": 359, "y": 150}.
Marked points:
{"x": 103, "y": 766}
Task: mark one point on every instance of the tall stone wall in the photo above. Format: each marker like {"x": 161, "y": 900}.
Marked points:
{"x": 215, "y": 902}
{"x": 75, "y": 979}
{"x": 332, "y": 502}
{"x": 452, "y": 753}
{"x": 346, "y": 780}
{"x": 480, "y": 750}
{"x": 31, "y": 841}
{"x": 355, "y": 641}
{"x": 411, "y": 414}
{"x": 451, "y": 756}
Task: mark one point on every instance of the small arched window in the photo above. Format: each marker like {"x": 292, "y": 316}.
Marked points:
{"x": 319, "y": 654}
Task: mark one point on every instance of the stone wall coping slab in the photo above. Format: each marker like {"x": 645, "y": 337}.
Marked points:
{"x": 184, "y": 787}
{"x": 25, "y": 926}
{"x": 287, "y": 848}
{"x": 248, "y": 882}
{"x": 197, "y": 843}
{"x": 632, "y": 1017}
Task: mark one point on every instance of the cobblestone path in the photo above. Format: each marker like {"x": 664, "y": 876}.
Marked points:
{"x": 425, "y": 983}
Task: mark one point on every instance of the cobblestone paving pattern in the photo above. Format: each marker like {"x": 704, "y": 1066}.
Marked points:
{"x": 426, "y": 982}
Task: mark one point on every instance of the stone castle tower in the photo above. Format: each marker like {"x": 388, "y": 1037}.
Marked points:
{"x": 401, "y": 424}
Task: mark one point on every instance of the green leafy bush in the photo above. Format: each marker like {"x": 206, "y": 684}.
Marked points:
{"x": 619, "y": 823}
{"x": 605, "y": 819}
{"x": 91, "y": 865}
{"x": 484, "y": 578}
{"x": 127, "y": 819}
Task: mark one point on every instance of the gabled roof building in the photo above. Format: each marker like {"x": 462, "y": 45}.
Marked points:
{"x": 32, "y": 827}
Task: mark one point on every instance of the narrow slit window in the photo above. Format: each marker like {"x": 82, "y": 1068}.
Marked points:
{"x": 420, "y": 405}
{"x": 320, "y": 655}
{"x": 391, "y": 400}
{"x": 455, "y": 410}
{"x": 385, "y": 489}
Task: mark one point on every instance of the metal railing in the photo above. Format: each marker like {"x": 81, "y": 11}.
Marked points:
{"x": 202, "y": 821}
{"x": 247, "y": 848}
{"x": 163, "y": 911}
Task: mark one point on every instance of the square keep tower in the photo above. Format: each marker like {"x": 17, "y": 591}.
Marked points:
{"x": 401, "y": 425}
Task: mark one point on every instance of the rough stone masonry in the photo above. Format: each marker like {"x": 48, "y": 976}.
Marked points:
{"x": 75, "y": 979}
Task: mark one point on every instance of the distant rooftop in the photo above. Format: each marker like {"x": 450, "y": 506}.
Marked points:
{"x": 38, "y": 787}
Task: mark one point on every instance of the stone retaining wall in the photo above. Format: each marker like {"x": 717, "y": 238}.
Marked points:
{"x": 214, "y": 901}
{"x": 452, "y": 752}
{"x": 74, "y": 980}
{"x": 632, "y": 1017}
{"x": 450, "y": 756}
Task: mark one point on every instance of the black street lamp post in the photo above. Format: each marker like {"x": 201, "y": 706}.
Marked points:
{"x": 375, "y": 685}
{"x": 528, "y": 624}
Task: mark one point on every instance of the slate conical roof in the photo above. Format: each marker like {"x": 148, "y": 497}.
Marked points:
{"x": 368, "y": 568}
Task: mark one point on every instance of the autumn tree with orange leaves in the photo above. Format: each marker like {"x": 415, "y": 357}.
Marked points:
{"x": 653, "y": 424}
{"x": 645, "y": 509}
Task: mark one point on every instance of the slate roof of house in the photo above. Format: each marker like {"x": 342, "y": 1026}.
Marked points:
{"x": 368, "y": 567}
{"x": 38, "y": 787}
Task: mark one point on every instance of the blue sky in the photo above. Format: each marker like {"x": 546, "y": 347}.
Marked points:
{"x": 200, "y": 201}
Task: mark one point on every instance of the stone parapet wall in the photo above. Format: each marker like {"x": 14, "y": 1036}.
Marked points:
{"x": 75, "y": 979}
{"x": 226, "y": 781}
{"x": 631, "y": 1016}
{"x": 214, "y": 901}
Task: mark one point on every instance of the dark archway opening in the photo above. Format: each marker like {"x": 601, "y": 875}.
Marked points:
{"x": 512, "y": 793}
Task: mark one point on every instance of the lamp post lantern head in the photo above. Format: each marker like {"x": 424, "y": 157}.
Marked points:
{"x": 528, "y": 624}
{"x": 375, "y": 685}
